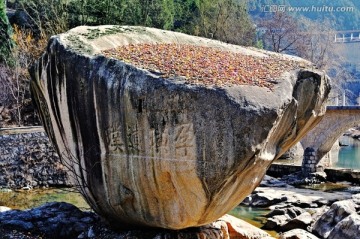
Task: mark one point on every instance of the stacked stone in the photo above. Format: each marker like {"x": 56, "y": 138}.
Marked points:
{"x": 309, "y": 162}
{"x": 29, "y": 160}
{"x": 279, "y": 170}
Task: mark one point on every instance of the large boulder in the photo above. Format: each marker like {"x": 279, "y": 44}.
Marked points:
{"x": 149, "y": 150}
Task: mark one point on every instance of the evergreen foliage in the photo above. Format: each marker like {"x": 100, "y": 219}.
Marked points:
{"x": 226, "y": 20}
{"x": 6, "y": 43}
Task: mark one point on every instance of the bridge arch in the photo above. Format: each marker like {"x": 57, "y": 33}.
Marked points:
{"x": 322, "y": 137}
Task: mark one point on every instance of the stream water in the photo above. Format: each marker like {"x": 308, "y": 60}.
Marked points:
{"x": 349, "y": 155}
{"x": 23, "y": 199}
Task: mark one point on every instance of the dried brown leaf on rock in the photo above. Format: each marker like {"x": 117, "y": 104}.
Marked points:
{"x": 204, "y": 65}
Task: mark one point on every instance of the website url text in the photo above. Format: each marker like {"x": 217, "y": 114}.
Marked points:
{"x": 286, "y": 8}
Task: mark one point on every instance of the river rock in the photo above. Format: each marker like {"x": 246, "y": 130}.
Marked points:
{"x": 4, "y": 209}
{"x": 290, "y": 196}
{"x": 348, "y": 228}
{"x": 269, "y": 181}
{"x": 63, "y": 220}
{"x": 260, "y": 199}
{"x": 297, "y": 234}
{"x": 275, "y": 222}
{"x": 144, "y": 148}
{"x": 287, "y": 219}
{"x": 356, "y": 199}
{"x": 329, "y": 220}
{"x": 303, "y": 221}
{"x": 240, "y": 229}
{"x": 53, "y": 220}
{"x": 292, "y": 212}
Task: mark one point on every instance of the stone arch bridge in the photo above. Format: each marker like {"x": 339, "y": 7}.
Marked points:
{"x": 322, "y": 137}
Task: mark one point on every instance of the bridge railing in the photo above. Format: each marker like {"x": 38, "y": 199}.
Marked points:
{"x": 347, "y": 107}
{"x": 347, "y": 37}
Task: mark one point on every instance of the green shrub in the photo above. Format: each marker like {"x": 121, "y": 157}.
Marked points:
{"x": 6, "y": 43}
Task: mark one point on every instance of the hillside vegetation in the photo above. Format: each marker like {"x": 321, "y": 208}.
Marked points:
{"x": 35, "y": 21}
{"x": 343, "y": 14}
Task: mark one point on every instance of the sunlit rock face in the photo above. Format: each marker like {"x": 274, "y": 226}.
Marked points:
{"x": 154, "y": 152}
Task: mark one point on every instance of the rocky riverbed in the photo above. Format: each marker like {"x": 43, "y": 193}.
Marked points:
{"x": 295, "y": 213}
{"x": 305, "y": 213}
{"x": 63, "y": 220}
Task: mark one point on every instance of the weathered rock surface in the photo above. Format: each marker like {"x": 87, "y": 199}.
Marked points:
{"x": 275, "y": 222}
{"x": 297, "y": 234}
{"x": 290, "y": 196}
{"x": 269, "y": 181}
{"x": 336, "y": 214}
{"x": 348, "y": 228}
{"x": 240, "y": 229}
{"x": 286, "y": 219}
{"x": 303, "y": 221}
{"x": 298, "y": 178}
{"x": 144, "y": 148}
{"x": 4, "y": 209}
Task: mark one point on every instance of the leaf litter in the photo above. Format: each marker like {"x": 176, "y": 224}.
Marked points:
{"x": 205, "y": 65}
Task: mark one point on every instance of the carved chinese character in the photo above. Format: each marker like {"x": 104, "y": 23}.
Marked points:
{"x": 184, "y": 141}
{"x": 116, "y": 143}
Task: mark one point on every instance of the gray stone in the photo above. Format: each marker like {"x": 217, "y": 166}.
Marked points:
{"x": 348, "y": 228}
{"x": 17, "y": 224}
{"x": 259, "y": 199}
{"x": 286, "y": 219}
{"x": 90, "y": 233}
{"x": 273, "y": 182}
{"x": 356, "y": 199}
{"x": 297, "y": 234}
{"x": 292, "y": 212}
{"x": 302, "y": 221}
{"x": 55, "y": 220}
{"x": 206, "y": 147}
{"x": 321, "y": 176}
{"x": 294, "y": 197}
{"x": 275, "y": 222}
{"x": 238, "y": 228}
{"x": 337, "y": 212}
{"x": 4, "y": 209}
